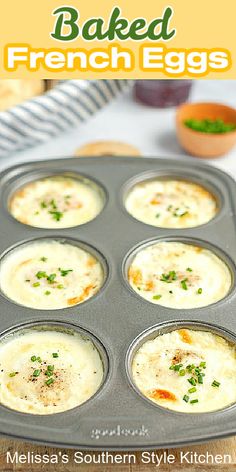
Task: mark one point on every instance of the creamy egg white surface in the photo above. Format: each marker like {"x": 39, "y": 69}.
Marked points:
{"x": 48, "y": 372}
{"x": 178, "y": 275}
{"x": 56, "y": 202}
{"x": 171, "y": 203}
{"x": 50, "y": 275}
{"x": 186, "y": 370}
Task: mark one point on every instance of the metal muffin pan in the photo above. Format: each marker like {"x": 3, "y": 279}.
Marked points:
{"x": 117, "y": 417}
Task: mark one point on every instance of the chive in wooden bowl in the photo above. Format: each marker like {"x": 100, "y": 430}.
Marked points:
{"x": 206, "y": 129}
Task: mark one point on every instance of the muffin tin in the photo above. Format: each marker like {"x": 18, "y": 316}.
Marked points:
{"x": 118, "y": 417}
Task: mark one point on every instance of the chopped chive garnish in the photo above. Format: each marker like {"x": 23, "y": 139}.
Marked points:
{"x": 176, "y": 367}
{"x": 33, "y": 358}
{"x": 43, "y": 205}
{"x": 65, "y": 272}
{"x": 53, "y": 204}
{"x": 12, "y": 374}
{"x": 41, "y": 274}
{"x": 27, "y": 280}
{"x": 215, "y": 383}
{"x": 43, "y": 259}
{"x": 39, "y": 359}
{"x": 156, "y": 297}
{"x": 207, "y": 125}
{"x": 192, "y": 390}
{"x": 186, "y": 398}
{"x": 49, "y": 382}
{"x": 55, "y": 354}
{"x": 199, "y": 291}
{"x": 203, "y": 365}
{"x": 189, "y": 269}
{"x": 194, "y": 401}
{"x": 36, "y": 284}
{"x": 157, "y": 215}
{"x": 51, "y": 278}
{"x": 36, "y": 373}
{"x": 190, "y": 367}
{"x": 57, "y": 215}
{"x": 192, "y": 381}
{"x": 168, "y": 278}
{"x": 183, "y": 284}
{"x": 200, "y": 379}
{"x": 182, "y": 372}
{"x": 60, "y": 286}
{"x": 47, "y": 292}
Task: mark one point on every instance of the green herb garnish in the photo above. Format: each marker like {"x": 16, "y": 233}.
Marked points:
{"x": 186, "y": 398}
{"x": 43, "y": 205}
{"x": 12, "y": 374}
{"x": 55, "y": 354}
{"x": 43, "y": 259}
{"x": 176, "y": 367}
{"x": 36, "y": 284}
{"x": 189, "y": 269}
{"x": 53, "y": 204}
{"x": 36, "y": 373}
{"x": 215, "y": 383}
{"x": 65, "y": 272}
{"x": 49, "y": 382}
{"x": 199, "y": 291}
{"x": 47, "y": 292}
{"x": 51, "y": 278}
{"x": 57, "y": 215}
{"x": 194, "y": 401}
{"x": 168, "y": 278}
{"x": 182, "y": 372}
{"x": 200, "y": 379}
{"x": 192, "y": 381}
{"x": 192, "y": 390}
{"x": 183, "y": 284}
{"x": 156, "y": 297}
{"x": 41, "y": 274}
{"x": 210, "y": 126}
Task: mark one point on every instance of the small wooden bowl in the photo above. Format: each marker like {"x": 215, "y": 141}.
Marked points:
{"x": 205, "y": 144}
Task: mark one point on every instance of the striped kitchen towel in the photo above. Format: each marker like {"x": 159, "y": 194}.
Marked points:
{"x": 69, "y": 103}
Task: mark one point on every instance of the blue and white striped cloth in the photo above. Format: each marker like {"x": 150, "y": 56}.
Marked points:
{"x": 66, "y": 105}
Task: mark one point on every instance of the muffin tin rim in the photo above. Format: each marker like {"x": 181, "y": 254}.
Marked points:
{"x": 101, "y": 258}
{"x": 7, "y": 191}
{"x": 146, "y": 176}
{"x": 143, "y": 337}
{"x": 223, "y": 256}
{"x": 102, "y": 350}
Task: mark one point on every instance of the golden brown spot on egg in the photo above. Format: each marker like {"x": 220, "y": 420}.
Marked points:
{"x": 198, "y": 249}
{"x": 135, "y": 276}
{"x": 161, "y": 394}
{"x": 185, "y": 336}
{"x": 25, "y": 262}
{"x": 85, "y": 294}
{"x": 91, "y": 262}
{"x": 155, "y": 201}
{"x": 149, "y": 286}
{"x": 20, "y": 194}
{"x": 74, "y": 300}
